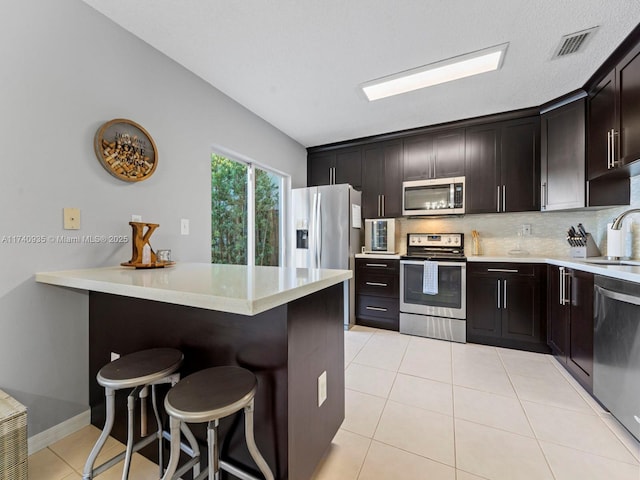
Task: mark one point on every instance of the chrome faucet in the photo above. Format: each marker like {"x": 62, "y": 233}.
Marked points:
{"x": 617, "y": 222}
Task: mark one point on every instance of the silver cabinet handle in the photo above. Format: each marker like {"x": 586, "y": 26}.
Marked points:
{"x": 505, "y": 295}
{"x": 377, "y": 284}
{"x": 379, "y": 205}
{"x": 377, "y": 309}
{"x": 383, "y": 205}
{"x": 609, "y": 149}
{"x": 498, "y": 205}
{"x": 507, "y": 270}
{"x": 498, "y": 294}
{"x": 615, "y": 158}
{"x": 543, "y": 195}
{"x": 382, "y": 265}
{"x": 504, "y": 198}
{"x": 561, "y": 284}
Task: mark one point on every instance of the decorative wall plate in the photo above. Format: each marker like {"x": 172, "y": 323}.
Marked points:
{"x": 126, "y": 150}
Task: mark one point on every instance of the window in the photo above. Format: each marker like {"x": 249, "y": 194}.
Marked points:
{"x": 246, "y": 198}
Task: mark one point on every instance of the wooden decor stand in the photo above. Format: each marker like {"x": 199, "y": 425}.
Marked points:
{"x": 140, "y": 238}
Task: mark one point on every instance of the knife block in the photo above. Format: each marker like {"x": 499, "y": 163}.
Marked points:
{"x": 589, "y": 250}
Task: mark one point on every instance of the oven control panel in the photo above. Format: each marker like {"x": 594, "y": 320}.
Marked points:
{"x": 449, "y": 240}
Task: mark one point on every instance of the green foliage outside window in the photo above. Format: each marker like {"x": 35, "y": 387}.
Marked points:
{"x": 229, "y": 214}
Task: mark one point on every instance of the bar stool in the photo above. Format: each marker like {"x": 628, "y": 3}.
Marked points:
{"x": 138, "y": 371}
{"x": 208, "y": 396}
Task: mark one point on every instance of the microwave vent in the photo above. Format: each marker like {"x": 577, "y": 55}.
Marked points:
{"x": 573, "y": 42}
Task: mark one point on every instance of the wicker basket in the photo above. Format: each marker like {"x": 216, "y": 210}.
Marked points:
{"x": 13, "y": 439}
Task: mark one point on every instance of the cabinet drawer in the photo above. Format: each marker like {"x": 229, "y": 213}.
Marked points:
{"x": 378, "y": 265}
{"x": 377, "y": 307}
{"x": 501, "y": 269}
{"x": 377, "y": 284}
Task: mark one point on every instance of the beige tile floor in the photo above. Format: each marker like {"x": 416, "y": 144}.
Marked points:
{"x": 418, "y": 408}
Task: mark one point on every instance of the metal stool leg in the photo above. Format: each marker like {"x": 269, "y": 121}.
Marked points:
{"x": 195, "y": 448}
{"x": 251, "y": 443}
{"x": 131, "y": 410}
{"x": 156, "y": 413}
{"x": 212, "y": 441}
{"x": 174, "y": 429}
{"x": 87, "y": 473}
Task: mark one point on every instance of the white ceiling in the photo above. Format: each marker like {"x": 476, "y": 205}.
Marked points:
{"x": 298, "y": 63}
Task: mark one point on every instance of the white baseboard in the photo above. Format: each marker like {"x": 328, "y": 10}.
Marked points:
{"x": 57, "y": 432}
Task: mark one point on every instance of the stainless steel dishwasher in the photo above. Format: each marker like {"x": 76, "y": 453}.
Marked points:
{"x": 616, "y": 367}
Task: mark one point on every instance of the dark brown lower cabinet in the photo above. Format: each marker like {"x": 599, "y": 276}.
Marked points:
{"x": 378, "y": 293}
{"x": 570, "y": 321}
{"x": 505, "y": 305}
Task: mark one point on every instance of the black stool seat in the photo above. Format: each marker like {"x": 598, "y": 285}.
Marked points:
{"x": 140, "y": 368}
{"x": 140, "y": 372}
{"x": 212, "y": 393}
{"x": 208, "y": 396}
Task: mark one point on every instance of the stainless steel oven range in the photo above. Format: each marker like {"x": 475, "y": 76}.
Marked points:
{"x": 433, "y": 286}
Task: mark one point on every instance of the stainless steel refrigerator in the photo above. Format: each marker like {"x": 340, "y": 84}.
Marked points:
{"x": 327, "y": 229}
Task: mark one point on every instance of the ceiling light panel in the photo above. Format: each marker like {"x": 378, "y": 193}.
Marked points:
{"x": 474, "y": 63}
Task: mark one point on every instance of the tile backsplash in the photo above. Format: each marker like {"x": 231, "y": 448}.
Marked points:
{"x": 499, "y": 232}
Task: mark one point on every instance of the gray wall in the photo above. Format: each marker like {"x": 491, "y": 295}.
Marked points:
{"x": 65, "y": 70}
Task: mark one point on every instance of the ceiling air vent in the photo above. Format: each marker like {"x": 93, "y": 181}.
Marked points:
{"x": 573, "y": 42}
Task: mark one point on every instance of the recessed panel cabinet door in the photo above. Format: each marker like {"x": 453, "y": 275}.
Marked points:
{"x": 372, "y": 179}
{"x": 483, "y": 313}
{"x": 382, "y": 180}
{"x": 557, "y": 315}
{"x": 562, "y": 167}
{"x": 482, "y": 160}
{"x": 520, "y": 165}
{"x": 580, "y": 355}
{"x": 602, "y": 120}
{"x": 349, "y": 167}
{"x": 319, "y": 167}
{"x": 448, "y": 154}
{"x": 628, "y": 84}
{"x": 418, "y": 157}
{"x": 521, "y": 308}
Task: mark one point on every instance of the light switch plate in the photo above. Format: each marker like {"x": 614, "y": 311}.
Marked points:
{"x": 71, "y": 218}
{"x": 136, "y": 218}
{"x": 184, "y": 226}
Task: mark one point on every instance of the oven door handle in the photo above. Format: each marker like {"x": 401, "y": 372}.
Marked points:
{"x": 462, "y": 265}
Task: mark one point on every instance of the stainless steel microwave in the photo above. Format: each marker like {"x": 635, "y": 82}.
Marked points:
{"x": 438, "y": 196}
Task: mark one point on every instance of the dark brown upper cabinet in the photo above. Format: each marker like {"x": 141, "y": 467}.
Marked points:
{"x": 562, "y": 163}
{"x": 434, "y": 155}
{"x": 502, "y": 165}
{"x": 614, "y": 120}
{"x": 382, "y": 180}
{"x": 335, "y": 166}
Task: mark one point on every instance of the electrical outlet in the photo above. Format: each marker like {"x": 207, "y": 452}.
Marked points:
{"x": 526, "y": 229}
{"x": 71, "y": 218}
{"x": 136, "y": 218}
{"x": 114, "y": 356}
{"x": 184, "y": 226}
{"x": 322, "y": 388}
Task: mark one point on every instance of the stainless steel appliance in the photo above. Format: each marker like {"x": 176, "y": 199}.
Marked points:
{"x": 327, "y": 233}
{"x": 381, "y": 235}
{"x": 616, "y": 350}
{"x": 443, "y": 314}
{"x": 438, "y": 196}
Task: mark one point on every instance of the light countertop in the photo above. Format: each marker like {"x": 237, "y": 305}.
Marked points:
{"x": 622, "y": 272}
{"x": 226, "y": 288}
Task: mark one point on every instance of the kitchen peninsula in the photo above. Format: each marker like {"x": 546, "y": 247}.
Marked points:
{"x": 284, "y": 324}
